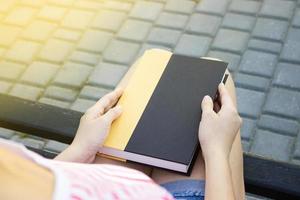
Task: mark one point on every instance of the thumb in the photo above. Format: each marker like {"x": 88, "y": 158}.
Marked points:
{"x": 207, "y": 104}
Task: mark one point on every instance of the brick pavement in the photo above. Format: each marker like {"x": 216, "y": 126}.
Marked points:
{"x": 70, "y": 53}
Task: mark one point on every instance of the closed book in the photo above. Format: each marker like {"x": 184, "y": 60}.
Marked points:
{"x": 161, "y": 110}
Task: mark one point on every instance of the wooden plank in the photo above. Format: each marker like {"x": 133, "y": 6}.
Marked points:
{"x": 264, "y": 177}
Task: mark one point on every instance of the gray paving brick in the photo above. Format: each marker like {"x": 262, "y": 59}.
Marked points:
{"x": 247, "y": 97}
{"x": 62, "y": 3}
{"x": 67, "y": 34}
{"x": 85, "y": 57}
{"x": 193, "y": 45}
{"x": 291, "y": 48}
{"x": 20, "y": 16}
{"x": 231, "y": 40}
{"x": 52, "y": 13}
{"x": 283, "y": 102}
{"x": 23, "y": 51}
{"x": 5, "y": 86}
{"x": 263, "y": 45}
{"x": 258, "y": 63}
{"x": 297, "y": 148}
{"x": 239, "y": 22}
{"x": 77, "y": 19}
{"x": 6, "y": 133}
{"x": 288, "y": 75}
{"x": 134, "y": 30}
{"x": 233, "y": 60}
{"x": 55, "y": 146}
{"x": 146, "y": 10}
{"x": 94, "y": 41}
{"x": 26, "y": 92}
{"x": 7, "y": 5}
{"x": 54, "y": 102}
{"x": 72, "y": 75}
{"x": 272, "y": 145}
{"x": 93, "y": 93}
{"x": 117, "y": 5}
{"x": 107, "y": 75}
{"x": 8, "y": 34}
{"x": 248, "y": 128}
{"x": 252, "y": 82}
{"x": 279, "y": 124}
{"x": 296, "y": 19}
{"x": 245, "y": 146}
{"x": 39, "y": 73}
{"x": 121, "y": 52}
{"x": 171, "y": 20}
{"x": 109, "y": 20}
{"x": 88, "y": 5}
{"x": 55, "y": 50}
{"x": 60, "y": 93}
{"x": 213, "y": 6}
{"x": 271, "y": 29}
{"x": 277, "y": 9}
{"x": 203, "y": 24}
{"x": 11, "y": 70}
{"x": 247, "y": 7}
{"x": 33, "y": 31}
{"x": 164, "y": 36}
{"x": 180, "y": 6}
{"x": 81, "y": 105}
{"x": 29, "y": 142}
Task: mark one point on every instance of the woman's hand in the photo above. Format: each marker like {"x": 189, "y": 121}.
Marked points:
{"x": 93, "y": 129}
{"x": 217, "y": 130}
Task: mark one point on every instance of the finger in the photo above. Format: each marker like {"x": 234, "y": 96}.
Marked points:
{"x": 112, "y": 114}
{"x": 207, "y": 104}
{"x": 225, "y": 96}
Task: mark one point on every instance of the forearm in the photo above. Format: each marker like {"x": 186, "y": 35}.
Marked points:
{"x": 218, "y": 178}
{"x": 74, "y": 154}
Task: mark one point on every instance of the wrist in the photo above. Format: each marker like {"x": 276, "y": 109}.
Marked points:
{"x": 213, "y": 154}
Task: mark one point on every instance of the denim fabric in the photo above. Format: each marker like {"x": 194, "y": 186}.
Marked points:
{"x": 186, "y": 189}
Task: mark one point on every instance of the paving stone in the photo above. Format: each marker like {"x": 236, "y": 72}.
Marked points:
{"x": 121, "y": 52}
{"x": 245, "y": 7}
{"x": 203, "y": 24}
{"x": 245, "y": 146}
{"x": 217, "y": 7}
{"x": 231, "y": 40}
{"x": 4, "y": 87}
{"x": 2, "y": 51}
{"x": 20, "y": 16}
{"x": 233, "y": 60}
{"x": 237, "y": 21}
{"x": 288, "y": 75}
{"x": 270, "y": 29}
{"x": 134, "y": 30}
{"x": 33, "y": 31}
{"x": 66, "y": 34}
{"x": 60, "y": 93}
{"x": 6, "y": 5}
{"x": 258, "y": 63}
{"x": 85, "y": 57}
{"x": 72, "y": 75}
{"x": 277, "y": 9}
{"x": 248, "y": 128}
{"x": 117, "y": 5}
{"x": 8, "y": 34}
{"x": 23, "y": 51}
{"x": 94, "y": 41}
{"x": 109, "y": 20}
{"x": 81, "y": 105}
{"x": 39, "y": 73}
{"x": 193, "y": 45}
{"x": 54, "y": 102}
{"x": 146, "y": 10}
{"x": 272, "y": 145}
{"x": 252, "y": 82}
{"x": 297, "y": 148}
{"x": 77, "y": 19}
{"x": 293, "y": 34}
{"x": 32, "y": 3}
{"x": 52, "y": 13}
{"x": 291, "y": 48}
{"x": 62, "y": 3}
{"x": 171, "y": 20}
{"x": 55, "y": 146}
{"x": 164, "y": 36}
{"x": 279, "y": 124}
{"x": 88, "y": 5}
{"x": 32, "y": 142}
{"x": 6, "y": 133}
{"x": 107, "y": 75}
{"x": 263, "y": 45}
{"x": 93, "y": 93}
{"x": 10, "y": 70}
{"x": 26, "y": 92}
{"x": 247, "y": 97}
{"x": 55, "y": 50}
{"x": 283, "y": 102}
{"x": 180, "y": 6}
{"x": 296, "y": 19}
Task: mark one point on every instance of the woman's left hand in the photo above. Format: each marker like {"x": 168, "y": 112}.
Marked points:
{"x": 93, "y": 129}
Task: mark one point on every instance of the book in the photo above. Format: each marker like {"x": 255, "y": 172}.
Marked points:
{"x": 161, "y": 110}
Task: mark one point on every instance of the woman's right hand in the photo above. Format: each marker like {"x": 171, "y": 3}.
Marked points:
{"x": 217, "y": 130}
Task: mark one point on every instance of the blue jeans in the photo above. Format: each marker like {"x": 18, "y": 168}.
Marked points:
{"x": 186, "y": 189}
